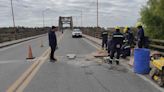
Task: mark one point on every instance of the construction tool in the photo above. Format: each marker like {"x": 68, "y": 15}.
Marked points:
{"x": 157, "y": 71}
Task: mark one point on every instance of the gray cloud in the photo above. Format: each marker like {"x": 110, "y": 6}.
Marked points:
{"x": 111, "y": 12}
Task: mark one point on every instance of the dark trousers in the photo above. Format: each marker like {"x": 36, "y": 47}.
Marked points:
{"x": 141, "y": 44}
{"x": 105, "y": 43}
{"x": 52, "y": 52}
{"x": 117, "y": 51}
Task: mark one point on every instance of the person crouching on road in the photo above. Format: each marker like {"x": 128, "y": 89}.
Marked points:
{"x": 140, "y": 36}
{"x": 116, "y": 44}
{"x": 52, "y": 42}
{"x": 128, "y": 42}
{"x": 104, "y": 36}
{"x": 129, "y": 37}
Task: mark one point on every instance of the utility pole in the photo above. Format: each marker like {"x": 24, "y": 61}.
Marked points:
{"x": 77, "y": 21}
{"x": 43, "y": 19}
{"x": 97, "y": 14}
{"x": 97, "y": 29}
{"x": 51, "y": 21}
{"x": 13, "y": 18}
{"x": 81, "y": 18}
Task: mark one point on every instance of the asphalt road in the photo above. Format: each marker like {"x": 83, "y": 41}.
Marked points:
{"x": 13, "y": 61}
{"x": 84, "y": 74}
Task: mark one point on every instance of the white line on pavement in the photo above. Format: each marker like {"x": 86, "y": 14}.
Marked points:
{"x": 11, "y": 61}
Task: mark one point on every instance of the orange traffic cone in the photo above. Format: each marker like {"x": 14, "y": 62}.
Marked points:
{"x": 30, "y": 56}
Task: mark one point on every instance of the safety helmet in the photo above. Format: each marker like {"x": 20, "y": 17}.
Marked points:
{"x": 125, "y": 30}
{"x": 139, "y": 24}
{"x": 117, "y": 28}
{"x": 126, "y": 27}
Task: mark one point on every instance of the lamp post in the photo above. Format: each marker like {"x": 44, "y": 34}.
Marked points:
{"x": 97, "y": 13}
{"x": 81, "y": 18}
{"x": 43, "y": 19}
{"x": 43, "y": 16}
{"x": 76, "y": 21}
{"x": 13, "y": 18}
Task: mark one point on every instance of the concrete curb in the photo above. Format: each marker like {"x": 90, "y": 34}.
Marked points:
{"x": 94, "y": 40}
{"x": 6, "y": 44}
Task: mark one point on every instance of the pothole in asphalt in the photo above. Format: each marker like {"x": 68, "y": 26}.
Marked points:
{"x": 71, "y": 56}
{"x": 84, "y": 61}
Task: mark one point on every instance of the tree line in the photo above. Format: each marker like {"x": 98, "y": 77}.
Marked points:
{"x": 152, "y": 17}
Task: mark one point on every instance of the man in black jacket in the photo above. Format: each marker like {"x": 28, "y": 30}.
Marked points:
{"x": 140, "y": 36}
{"x": 52, "y": 42}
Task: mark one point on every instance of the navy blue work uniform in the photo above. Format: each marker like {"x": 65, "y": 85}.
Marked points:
{"x": 109, "y": 46}
{"x": 116, "y": 44}
{"x": 140, "y": 37}
{"x": 52, "y": 42}
{"x": 129, "y": 37}
{"x": 104, "y": 36}
{"x": 127, "y": 44}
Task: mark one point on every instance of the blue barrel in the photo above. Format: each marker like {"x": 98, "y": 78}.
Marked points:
{"x": 142, "y": 61}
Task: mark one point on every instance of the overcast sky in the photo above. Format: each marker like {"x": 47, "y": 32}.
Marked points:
{"x": 111, "y": 12}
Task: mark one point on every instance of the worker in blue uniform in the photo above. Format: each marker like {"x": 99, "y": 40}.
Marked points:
{"x": 52, "y": 42}
{"x": 116, "y": 44}
{"x": 129, "y": 37}
{"x": 140, "y": 36}
{"x": 104, "y": 36}
{"x": 128, "y": 42}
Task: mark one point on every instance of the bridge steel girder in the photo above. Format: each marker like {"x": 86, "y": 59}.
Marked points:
{"x": 65, "y": 20}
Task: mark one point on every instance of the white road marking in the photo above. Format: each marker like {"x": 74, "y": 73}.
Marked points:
{"x": 91, "y": 43}
{"x": 11, "y": 61}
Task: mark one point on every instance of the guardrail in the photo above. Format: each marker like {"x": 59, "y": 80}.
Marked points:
{"x": 154, "y": 43}
{"x": 9, "y": 43}
{"x": 157, "y": 44}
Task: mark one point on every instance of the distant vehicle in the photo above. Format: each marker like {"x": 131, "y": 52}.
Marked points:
{"x": 76, "y": 33}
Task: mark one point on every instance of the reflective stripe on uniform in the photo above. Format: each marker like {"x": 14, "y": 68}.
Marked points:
{"x": 127, "y": 47}
{"x": 125, "y": 41}
{"x": 108, "y": 58}
{"x": 105, "y": 33}
{"x": 118, "y": 36}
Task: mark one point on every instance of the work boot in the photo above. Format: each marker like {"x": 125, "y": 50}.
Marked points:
{"x": 117, "y": 62}
{"x": 109, "y": 60}
{"x": 53, "y": 59}
{"x": 106, "y": 48}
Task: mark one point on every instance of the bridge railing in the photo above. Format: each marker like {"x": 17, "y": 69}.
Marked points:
{"x": 7, "y": 34}
{"x": 155, "y": 44}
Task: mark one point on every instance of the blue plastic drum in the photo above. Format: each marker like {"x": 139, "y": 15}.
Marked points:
{"x": 142, "y": 61}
